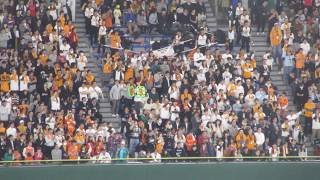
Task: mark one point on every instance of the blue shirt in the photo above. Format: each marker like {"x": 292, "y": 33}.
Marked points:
{"x": 123, "y": 153}
{"x": 288, "y": 60}
{"x": 260, "y": 96}
{"x": 130, "y": 17}
{"x": 234, "y": 3}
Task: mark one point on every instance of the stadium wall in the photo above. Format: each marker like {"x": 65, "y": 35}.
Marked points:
{"x": 210, "y": 171}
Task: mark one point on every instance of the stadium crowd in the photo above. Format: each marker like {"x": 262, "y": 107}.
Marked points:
{"x": 204, "y": 101}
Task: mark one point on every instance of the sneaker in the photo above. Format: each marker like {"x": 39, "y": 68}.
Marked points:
{"x": 113, "y": 115}
{"x": 258, "y": 33}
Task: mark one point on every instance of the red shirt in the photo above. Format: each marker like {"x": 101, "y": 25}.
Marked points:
{"x": 307, "y": 3}
{"x": 38, "y": 156}
{"x": 33, "y": 9}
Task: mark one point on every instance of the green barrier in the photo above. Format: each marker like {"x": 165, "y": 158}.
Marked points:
{"x": 182, "y": 171}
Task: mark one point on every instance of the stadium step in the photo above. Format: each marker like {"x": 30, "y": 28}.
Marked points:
{"x": 211, "y": 19}
{"x": 93, "y": 65}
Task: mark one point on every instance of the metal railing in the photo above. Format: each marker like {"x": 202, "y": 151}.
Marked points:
{"x": 162, "y": 160}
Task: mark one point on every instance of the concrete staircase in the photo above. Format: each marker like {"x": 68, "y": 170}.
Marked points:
{"x": 259, "y": 47}
{"x": 211, "y": 19}
{"x": 93, "y": 65}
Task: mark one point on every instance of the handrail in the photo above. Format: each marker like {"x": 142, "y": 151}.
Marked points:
{"x": 163, "y": 158}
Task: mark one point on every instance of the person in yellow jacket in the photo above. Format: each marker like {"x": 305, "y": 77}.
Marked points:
{"x": 247, "y": 69}
{"x": 275, "y": 40}
{"x": 308, "y": 110}
{"x": 5, "y": 82}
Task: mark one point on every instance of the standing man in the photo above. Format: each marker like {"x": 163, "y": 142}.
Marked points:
{"x": 115, "y": 98}
{"x": 88, "y": 12}
{"x": 288, "y": 65}
{"x": 308, "y": 109}
{"x": 246, "y": 31}
{"x": 261, "y": 18}
{"x": 275, "y": 39}
{"x": 94, "y": 29}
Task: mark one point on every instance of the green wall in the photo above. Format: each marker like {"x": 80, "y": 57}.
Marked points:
{"x": 213, "y": 171}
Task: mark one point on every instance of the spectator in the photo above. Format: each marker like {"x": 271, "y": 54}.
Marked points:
{"x": 56, "y": 153}
{"x": 275, "y": 39}
{"x": 115, "y": 97}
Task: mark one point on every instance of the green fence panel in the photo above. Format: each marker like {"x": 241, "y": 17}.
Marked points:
{"x": 203, "y": 171}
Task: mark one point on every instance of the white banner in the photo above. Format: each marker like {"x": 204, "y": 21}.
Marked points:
{"x": 166, "y": 51}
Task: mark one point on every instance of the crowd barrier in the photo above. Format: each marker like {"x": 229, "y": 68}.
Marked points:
{"x": 166, "y": 160}
{"x": 181, "y": 170}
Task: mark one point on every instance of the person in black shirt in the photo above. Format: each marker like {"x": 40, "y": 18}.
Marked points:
{"x": 163, "y": 22}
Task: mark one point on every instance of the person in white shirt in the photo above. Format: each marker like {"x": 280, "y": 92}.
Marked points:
{"x": 305, "y": 46}
{"x": 246, "y": 31}
{"x": 165, "y": 112}
{"x": 239, "y": 9}
{"x": 202, "y": 41}
{"x": 5, "y": 107}
{"x": 260, "y": 137}
{"x": 115, "y": 98}
{"x": 231, "y": 37}
{"x": 174, "y": 91}
{"x": 102, "y": 36}
{"x": 12, "y": 131}
{"x": 95, "y": 91}
{"x": 71, "y": 57}
{"x": 316, "y": 126}
{"x": 24, "y": 81}
{"x": 104, "y": 157}
{"x": 226, "y": 75}
{"x": 55, "y": 102}
{"x": 94, "y": 28}
{"x": 198, "y": 57}
{"x": 83, "y": 92}
{"x": 292, "y": 118}
{"x": 82, "y": 61}
{"x": 64, "y": 47}
{"x": 244, "y": 17}
{"x": 88, "y": 12}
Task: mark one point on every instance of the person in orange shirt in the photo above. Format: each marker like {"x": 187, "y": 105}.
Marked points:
{"x": 70, "y": 123}
{"x": 276, "y": 39}
{"x": 186, "y": 95}
{"x": 58, "y": 80}
{"x": 250, "y": 141}
{"x": 89, "y": 77}
{"x": 115, "y": 41}
{"x": 79, "y": 138}
{"x": 62, "y": 19}
{"x": 5, "y": 79}
{"x": 23, "y": 108}
{"x": 283, "y": 101}
{"x": 28, "y": 151}
{"x": 300, "y": 60}
{"x": 190, "y": 142}
{"x": 309, "y": 108}
{"x": 107, "y": 70}
{"x": 43, "y": 57}
{"x": 22, "y": 128}
{"x": 2, "y": 128}
{"x": 240, "y": 139}
{"x": 128, "y": 74}
{"x": 73, "y": 150}
{"x": 247, "y": 69}
{"x": 108, "y": 19}
{"x": 67, "y": 28}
